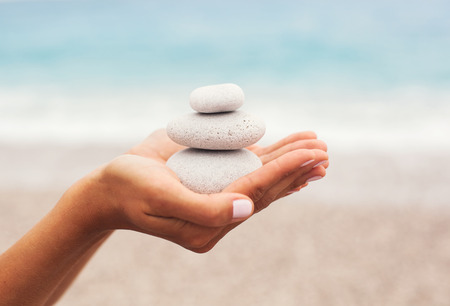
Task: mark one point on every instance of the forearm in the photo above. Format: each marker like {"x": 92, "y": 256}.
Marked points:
{"x": 34, "y": 268}
{"x": 71, "y": 275}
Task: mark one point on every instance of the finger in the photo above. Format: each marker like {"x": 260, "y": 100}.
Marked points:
{"x": 297, "y": 183}
{"x": 211, "y": 210}
{"x": 289, "y": 192}
{"x": 298, "y": 178}
{"x": 281, "y": 143}
{"x": 256, "y": 184}
{"x": 300, "y": 144}
{"x": 292, "y": 181}
{"x": 311, "y": 176}
{"x": 326, "y": 164}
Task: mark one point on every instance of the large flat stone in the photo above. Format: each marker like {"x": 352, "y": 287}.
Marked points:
{"x": 206, "y": 171}
{"x": 220, "y": 131}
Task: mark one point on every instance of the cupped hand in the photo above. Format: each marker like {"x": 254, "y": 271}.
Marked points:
{"x": 142, "y": 194}
{"x": 288, "y": 166}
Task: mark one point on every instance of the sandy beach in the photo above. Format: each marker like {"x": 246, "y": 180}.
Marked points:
{"x": 374, "y": 232}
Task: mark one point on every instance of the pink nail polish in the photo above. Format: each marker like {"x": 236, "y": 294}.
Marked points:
{"x": 242, "y": 208}
{"x": 307, "y": 163}
{"x": 314, "y": 178}
{"x": 320, "y": 163}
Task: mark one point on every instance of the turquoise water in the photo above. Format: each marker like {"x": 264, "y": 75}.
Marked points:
{"x": 379, "y": 43}
{"x": 81, "y": 69}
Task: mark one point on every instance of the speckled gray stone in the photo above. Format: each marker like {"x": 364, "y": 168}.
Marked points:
{"x": 220, "y": 131}
{"x": 217, "y": 98}
{"x": 206, "y": 171}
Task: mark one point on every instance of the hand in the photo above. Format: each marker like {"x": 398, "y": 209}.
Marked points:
{"x": 140, "y": 193}
{"x": 288, "y": 166}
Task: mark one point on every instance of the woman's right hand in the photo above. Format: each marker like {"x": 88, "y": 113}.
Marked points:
{"x": 137, "y": 191}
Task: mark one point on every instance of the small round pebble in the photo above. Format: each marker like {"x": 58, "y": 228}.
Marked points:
{"x": 217, "y": 98}
{"x": 221, "y": 131}
{"x": 205, "y": 171}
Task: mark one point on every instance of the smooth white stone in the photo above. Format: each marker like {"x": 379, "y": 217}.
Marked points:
{"x": 220, "y": 131}
{"x": 217, "y": 98}
{"x": 205, "y": 171}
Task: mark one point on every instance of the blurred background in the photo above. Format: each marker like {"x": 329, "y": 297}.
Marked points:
{"x": 82, "y": 81}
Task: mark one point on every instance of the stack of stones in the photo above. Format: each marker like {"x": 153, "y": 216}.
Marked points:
{"x": 216, "y": 135}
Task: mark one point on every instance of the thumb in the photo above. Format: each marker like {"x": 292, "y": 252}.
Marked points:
{"x": 212, "y": 210}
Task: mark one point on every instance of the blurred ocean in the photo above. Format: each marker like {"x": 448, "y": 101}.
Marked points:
{"x": 372, "y": 75}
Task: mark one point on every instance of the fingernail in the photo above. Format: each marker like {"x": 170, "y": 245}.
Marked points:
{"x": 314, "y": 178}
{"x": 307, "y": 163}
{"x": 242, "y": 208}
{"x": 320, "y": 163}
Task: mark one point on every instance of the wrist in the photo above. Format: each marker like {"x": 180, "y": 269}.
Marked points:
{"x": 85, "y": 204}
